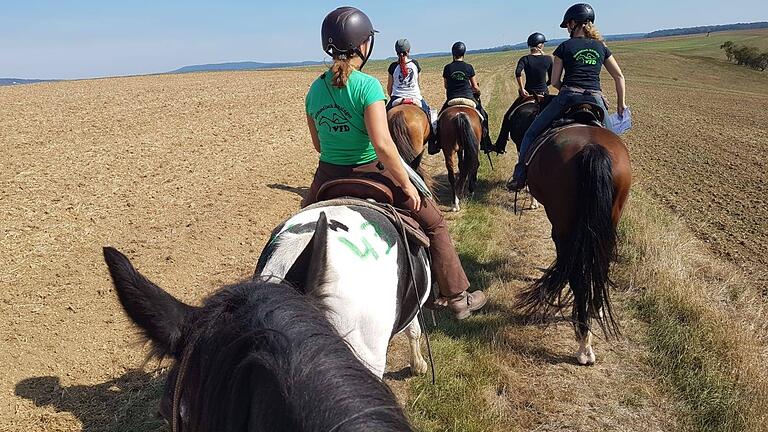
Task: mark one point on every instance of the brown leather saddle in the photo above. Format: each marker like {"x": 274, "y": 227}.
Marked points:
{"x": 374, "y": 195}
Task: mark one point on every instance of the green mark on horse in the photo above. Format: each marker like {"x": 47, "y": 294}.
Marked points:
{"x": 379, "y": 234}
{"x": 363, "y": 253}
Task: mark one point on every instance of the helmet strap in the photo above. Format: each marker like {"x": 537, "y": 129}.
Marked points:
{"x": 368, "y": 55}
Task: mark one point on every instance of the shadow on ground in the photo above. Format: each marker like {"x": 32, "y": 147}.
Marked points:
{"x": 126, "y": 404}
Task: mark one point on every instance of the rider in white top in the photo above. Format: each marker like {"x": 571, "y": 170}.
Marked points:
{"x": 403, "y": 80}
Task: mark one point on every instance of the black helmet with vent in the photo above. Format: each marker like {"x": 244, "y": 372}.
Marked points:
{"x": 459, "y": 49}
{"x": 536, "y": 39}
{"x": 580, "y": 12}
{"x": 344, "y": 30}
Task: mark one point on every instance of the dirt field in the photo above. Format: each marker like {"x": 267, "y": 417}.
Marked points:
{"x": 188, "y": 174}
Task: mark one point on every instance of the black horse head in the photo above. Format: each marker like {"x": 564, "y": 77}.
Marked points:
{"x": 256, "y": 356}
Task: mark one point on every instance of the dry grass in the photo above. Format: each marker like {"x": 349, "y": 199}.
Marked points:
{"x": 707, "y": 326}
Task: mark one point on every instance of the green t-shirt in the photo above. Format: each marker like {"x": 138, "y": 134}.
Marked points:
{"x": 338, "y": 115}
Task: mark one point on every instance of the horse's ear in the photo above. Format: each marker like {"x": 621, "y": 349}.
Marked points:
{"x": 318, "y": 264}
{"x": 160, "y": 316}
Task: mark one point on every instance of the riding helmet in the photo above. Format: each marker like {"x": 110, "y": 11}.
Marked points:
{"x": 402, "y": 46}
{"x": 536, "y": 39}
{"x": 344, "y": 30}
{"x": 580, "y": 12}
{"x": 459, "y": 49}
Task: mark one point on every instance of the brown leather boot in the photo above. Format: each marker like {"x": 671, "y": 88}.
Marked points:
{"x": 462, "y": 305}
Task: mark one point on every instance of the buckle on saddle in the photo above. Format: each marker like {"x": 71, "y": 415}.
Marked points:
{"x": 355, "y": 187}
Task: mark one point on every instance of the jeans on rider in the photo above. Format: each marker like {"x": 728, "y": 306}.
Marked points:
{"x": 548, "y": 115}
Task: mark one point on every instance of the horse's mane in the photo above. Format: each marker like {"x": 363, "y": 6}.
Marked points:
{"x": 270, "y": 360}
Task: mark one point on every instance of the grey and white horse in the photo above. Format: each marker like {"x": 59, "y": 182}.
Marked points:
{"x": 355, "y": 260}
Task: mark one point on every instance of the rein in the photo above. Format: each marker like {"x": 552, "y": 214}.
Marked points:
{"x": 401, "y": 227}
{"x": 176, "y": 408}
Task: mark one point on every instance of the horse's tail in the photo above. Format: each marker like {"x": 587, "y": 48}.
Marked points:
{"x": 584, "y": 258}
{"x": 400, "y": 134}
{"x": 469, "y": 150}
{"x": 402, "y": 138}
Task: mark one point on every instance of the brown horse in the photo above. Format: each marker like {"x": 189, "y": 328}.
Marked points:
{"x": 409, "y": 127}
{"x": 459, "y": 132}
{"x": 582, "y": 175}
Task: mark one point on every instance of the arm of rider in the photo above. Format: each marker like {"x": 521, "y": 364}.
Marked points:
{"x": 390, "y": 83}
{"x": 618, "y": 77}
{"x": 445, "y": 83}
{"x": 313, "y": 132}
{"x": 378, "y": 130}
{"x": 520, "y": 88}
{"x": 475, "y": 86}
{"x": 557, "y": 72}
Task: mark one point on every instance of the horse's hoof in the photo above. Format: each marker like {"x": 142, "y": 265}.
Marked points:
{"x": 586, "y": 358}
{"x": 420, "y": 368}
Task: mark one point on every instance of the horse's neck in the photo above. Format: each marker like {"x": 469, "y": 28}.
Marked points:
{"x": 324, "y": 383}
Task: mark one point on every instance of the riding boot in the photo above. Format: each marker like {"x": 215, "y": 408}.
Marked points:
{"x": 432, "y": 145}
{"x": 463, "y": 304}
{"x": 518, "y": 180}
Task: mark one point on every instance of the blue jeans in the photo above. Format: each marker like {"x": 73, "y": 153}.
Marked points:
{"x": 551, "y": 113}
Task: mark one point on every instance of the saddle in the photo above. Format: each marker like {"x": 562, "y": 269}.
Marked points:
{"x": 461, "y": 102}
{"x": 374, "y": 195}
{"x": 405, "y": 101}
{"x": 582, "y": 114}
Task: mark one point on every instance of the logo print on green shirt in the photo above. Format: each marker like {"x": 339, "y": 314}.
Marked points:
{"x": 587, "y": 56}
{"x": 333, "y": 118}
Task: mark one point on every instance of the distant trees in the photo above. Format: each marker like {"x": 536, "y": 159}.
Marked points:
{"x": 745, "y": 55}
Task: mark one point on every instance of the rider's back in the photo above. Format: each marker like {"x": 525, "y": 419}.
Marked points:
{"x": 583, "y": 59}
{"x": 405, "y": 85}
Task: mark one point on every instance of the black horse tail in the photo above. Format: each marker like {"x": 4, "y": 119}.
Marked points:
{"x": 469, "y": 159}
{"x": 584, "y": 258}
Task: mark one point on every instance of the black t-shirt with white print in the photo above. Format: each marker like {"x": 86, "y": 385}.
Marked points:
{"x": 583, "y": 58}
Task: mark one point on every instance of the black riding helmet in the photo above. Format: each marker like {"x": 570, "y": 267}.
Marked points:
{"x": 580, "y": 12}
{"x": 536, "y": 39}
{"x": 344, "y": 30}
{"x": 402, "y": 46}
{"x": 459, "y": 49}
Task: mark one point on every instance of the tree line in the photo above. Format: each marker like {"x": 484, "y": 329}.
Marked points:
{"x": 745, "y": 55}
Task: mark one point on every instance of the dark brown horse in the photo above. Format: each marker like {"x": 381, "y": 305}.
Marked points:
{"x": 459, "y": 132}
{"x": 582, "y": 176}
{"x": 409, "y": 127}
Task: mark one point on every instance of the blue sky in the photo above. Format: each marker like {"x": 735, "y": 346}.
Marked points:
{"x": 88, "y": 38}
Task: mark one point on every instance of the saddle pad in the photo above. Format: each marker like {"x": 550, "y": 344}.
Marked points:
{"x": 462, "y": 101}
{"x": 544, "y": 137}
{"x": 412, "y": 229}
{"x": 406, "y": 101}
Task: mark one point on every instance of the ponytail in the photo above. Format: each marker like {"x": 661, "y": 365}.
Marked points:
{"x": 403, "y": 66}
{"x": 341, "y": 70}
{"x": 592, "y": 32}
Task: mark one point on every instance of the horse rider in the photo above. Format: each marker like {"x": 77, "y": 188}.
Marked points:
{"x": 538, "y": 75}
{"x": 403, "y": 81}
{"x": 347, "y": 121}
{"x": 581, "y": 57}
{"x": 460, "y": 81}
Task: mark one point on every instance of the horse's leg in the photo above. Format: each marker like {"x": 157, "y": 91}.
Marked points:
{"x": 450, "y": 164}
{"x": 585, "y": 355}
{"x": 413, "y": 332}
{"x": 534, "y": 203}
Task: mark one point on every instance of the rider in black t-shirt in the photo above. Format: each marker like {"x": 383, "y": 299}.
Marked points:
{"x": 582, "y": 57}
{"x": 460, "y": 82}
{"x": 538, "y": 74}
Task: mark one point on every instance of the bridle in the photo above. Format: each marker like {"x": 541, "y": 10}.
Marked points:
{"x": 176, "y": 407}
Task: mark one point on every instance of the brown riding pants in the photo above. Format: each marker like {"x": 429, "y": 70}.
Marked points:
{"x": 446, "y": 267}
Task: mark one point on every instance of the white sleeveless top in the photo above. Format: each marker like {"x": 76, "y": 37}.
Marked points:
{"x": 405, "y": 86}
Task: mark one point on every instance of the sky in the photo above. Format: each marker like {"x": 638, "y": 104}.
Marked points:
{"x": 68, "y": 39}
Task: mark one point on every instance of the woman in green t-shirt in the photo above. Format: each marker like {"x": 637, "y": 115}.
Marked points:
{"x": 347, "y": 120}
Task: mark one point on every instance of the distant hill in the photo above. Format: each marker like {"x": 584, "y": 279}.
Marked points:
{"x": 707, "y": 29}
{"x": 233, "y": 66}
{"x": 17, "y": 81}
